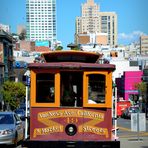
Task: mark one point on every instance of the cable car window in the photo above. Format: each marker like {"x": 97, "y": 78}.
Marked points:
{"x": 96, "y": 88}
{"x": 45, "y": 88}
{"x": 71, "y": 89}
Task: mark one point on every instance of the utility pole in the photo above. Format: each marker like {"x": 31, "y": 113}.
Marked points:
{"x": 27, "y": 74}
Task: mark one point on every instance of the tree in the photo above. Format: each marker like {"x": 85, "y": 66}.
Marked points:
{"x": 59, "y": 48}
{"x": 13, "y": 93}
{"x": 73, "y": 46}
{"x": 76, "y": 48}
{"x": 142, "y": 88}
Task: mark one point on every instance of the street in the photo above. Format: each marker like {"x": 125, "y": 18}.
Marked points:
{"x": 130, "y": 139}
{"x": 125, "y": 129}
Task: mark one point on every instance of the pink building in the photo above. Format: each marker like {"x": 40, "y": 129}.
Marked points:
{"x": 126, "y": 85}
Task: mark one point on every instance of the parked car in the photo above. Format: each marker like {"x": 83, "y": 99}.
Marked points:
{"x": 21, "y": 113}
{"x": 11, "y": 128}
{"x": 23, "y": 106}
{"x": 127, "y": 112}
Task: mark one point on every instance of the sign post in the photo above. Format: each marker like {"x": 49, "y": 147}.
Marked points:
{"x": 115, "y": 113}
{"x": 27, "y": 74}
{"x": 26, "y": 120}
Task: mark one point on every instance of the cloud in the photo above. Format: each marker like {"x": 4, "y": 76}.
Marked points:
{"x": 131, "y": 37}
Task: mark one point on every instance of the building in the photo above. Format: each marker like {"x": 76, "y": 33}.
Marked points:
{"x": 25, "y": 45}
{"x": 1, "y": 73}
{"x": 93, "y": 21}
{"x": 1, "y": 82}
{"x": 144, "y": 44}
{"x": 41, "y": 20}
{"x": 108, "y": 24}
{"x": 94, "y": 38}
{"x": 126, "y": 85}
{"x": 6, "y": 28}
{"x": 123, "y": 65}
{"x": 6, "y": 54}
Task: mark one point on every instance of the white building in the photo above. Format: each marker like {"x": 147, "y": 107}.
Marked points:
{"x": 41, "y": 20}
{"x": 6, "y": 28}
{"x": 122, "y": 65}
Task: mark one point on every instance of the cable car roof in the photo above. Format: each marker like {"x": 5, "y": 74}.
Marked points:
{"x": 71, "y": 56}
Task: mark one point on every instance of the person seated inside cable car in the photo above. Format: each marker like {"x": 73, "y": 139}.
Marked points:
{"x": 68, "y": 96}
{"x": 94, "y": 96}
{"x": 68, "y": 93}
{"x": 48, "y": 96}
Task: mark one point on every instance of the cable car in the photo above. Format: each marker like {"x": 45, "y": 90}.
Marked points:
{"x": 71, "y": 101}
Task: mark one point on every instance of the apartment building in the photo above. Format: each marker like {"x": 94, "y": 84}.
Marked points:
{"x": 144, "y": 44}
{"x": 94, "y": 21}
{"x": 41, "y": 20}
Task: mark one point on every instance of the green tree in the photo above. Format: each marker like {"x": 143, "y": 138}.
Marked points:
{"x": 142, "y": 88}
{"x": 73, "y": 46}
{"x": 13, "y": 93}
{"x": 59, "y": 48}
{"x": 76, "y": 48}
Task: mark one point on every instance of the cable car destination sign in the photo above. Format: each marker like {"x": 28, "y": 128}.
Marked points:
{"x": 87, "y": 121}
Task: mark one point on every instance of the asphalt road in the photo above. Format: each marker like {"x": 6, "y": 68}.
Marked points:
{"x": 124, "y": 131}
{"x": 129, "y": 139}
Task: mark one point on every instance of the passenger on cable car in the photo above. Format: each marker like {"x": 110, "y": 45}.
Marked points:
{"x": 68, "y": 96}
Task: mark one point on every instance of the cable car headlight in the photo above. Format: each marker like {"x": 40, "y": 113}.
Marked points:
{"x": 71, "y": 129}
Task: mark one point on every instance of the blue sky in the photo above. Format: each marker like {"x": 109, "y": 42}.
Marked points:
{"x": 132, "y": 17}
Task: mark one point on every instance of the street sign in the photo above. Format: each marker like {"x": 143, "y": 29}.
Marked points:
{"x": 27, "y": 81}
{"x": 27, "y": 74}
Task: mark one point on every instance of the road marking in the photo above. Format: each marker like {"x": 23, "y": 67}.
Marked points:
{"x": 132, "y": 133}
{"x": 123, "y": 128}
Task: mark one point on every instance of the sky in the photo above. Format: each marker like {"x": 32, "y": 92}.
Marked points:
{"x": 132, "y": 17}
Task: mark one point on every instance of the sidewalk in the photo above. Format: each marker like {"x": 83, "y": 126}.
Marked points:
{"x": 133, "y": 142}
